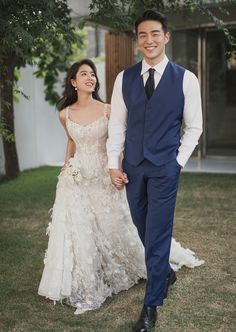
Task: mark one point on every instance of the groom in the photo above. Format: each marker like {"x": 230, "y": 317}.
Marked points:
{"x": 150, "y": 101}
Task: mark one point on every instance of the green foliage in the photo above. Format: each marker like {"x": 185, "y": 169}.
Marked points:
{"x": 17, "y": 92}
{"x": 58, "y": 60}
{"x": 206, "y": 10}
{"x": 119, "y": 16}
{"x": 99, "y": 59}
{"x": 38, "y": 31}
{"x": 78, "y": 50}
{"x": 31, "y": 31}
{"x": 4, "y": 132}
{"x": 27, "y": 27}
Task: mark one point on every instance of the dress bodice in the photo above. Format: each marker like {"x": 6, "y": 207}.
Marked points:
{"x": 91, "y": 138}
{"x": 90, "y": 141}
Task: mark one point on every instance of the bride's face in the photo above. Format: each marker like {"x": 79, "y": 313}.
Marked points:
{"x": 85, "y": 79}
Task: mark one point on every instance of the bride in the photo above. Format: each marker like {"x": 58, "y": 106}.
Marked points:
{"x": 94, "y": 249}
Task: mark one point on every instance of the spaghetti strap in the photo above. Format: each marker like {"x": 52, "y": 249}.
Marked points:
{"x": 106, "y": 111}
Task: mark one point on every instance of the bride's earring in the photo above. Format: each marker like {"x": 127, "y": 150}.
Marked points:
{"x": 76, "y": 88}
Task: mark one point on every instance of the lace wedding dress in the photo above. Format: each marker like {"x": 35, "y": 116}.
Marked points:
{"x": 94, "y": 250}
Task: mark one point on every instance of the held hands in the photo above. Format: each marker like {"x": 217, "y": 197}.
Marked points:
{"x": 118, "y": 178}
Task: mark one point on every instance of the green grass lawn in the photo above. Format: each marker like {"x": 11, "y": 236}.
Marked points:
{"x": 203, "y": 299}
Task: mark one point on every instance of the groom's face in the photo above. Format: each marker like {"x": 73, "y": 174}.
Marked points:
{"x": 152, "y": 40}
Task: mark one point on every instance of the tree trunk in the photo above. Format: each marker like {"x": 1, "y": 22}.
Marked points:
{"x": 7, "y": 116}
{"x": 119, "y": 56}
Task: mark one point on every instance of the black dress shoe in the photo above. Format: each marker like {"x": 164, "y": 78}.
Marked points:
{"x": 170, "y": 280}
{"x": 146, "y": 320}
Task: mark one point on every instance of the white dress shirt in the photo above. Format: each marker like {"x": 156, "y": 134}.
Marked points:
{"x": 192, "y": 115}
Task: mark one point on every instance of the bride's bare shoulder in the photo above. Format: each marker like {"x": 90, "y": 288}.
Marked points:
{"x": 62, "y": 115}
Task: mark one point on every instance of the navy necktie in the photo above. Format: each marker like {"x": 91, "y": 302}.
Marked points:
{"x": 150, "y": 84}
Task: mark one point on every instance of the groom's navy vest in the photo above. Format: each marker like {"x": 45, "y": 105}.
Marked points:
{"x": 153, "y": 126}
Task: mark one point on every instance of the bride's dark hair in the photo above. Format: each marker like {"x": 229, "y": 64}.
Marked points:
{"x": 70, "y": 94}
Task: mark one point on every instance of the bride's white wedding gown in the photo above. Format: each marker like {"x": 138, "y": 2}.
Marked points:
{"x": 94, "y": 249}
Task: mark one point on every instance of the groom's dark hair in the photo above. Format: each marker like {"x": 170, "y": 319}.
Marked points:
{"x": 151, "y": 15}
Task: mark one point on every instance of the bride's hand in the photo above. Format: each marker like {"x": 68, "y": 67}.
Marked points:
{"x": 118, "y": 178}
{"x": 64, "y": 166}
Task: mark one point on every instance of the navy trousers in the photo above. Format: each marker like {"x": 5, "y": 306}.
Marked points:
{"x": 151, "y": 194}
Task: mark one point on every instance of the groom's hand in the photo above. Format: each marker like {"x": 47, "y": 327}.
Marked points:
{"x": 118, "y": 178}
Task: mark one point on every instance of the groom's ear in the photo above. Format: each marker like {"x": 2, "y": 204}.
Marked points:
{"x": 167, "y": 37}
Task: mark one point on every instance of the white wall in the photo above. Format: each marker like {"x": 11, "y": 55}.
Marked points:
{"x": 101, "y": 72}
{"x": 40, "y": 138}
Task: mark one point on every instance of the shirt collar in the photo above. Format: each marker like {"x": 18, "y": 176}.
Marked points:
{"x": 160, "y": 67}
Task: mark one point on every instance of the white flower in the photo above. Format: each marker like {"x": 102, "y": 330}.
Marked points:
{"x": 73, "y": 172}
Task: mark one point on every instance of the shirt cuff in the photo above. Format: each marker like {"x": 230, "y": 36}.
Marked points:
{"x": 113, "y": 162}
{"x": 183, "y": 156}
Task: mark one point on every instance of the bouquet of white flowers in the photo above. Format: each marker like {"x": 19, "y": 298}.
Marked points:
{"x": 72, "y": 171}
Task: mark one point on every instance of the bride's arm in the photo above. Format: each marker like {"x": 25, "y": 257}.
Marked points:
{"x": 70, "y": 148}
